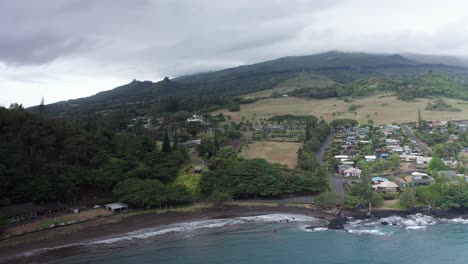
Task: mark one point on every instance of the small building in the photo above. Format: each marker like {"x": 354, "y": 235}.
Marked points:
{"x": 406, "y": 157}
{"x": 53, "y": 207}
{"x": 449, "y": 161}
{"x": 425, "y": 180}
{"x": 423, "y": 160}
{"x": 342, "y": 168}
{"x": 198, "y": 169}
{"x": 116, "y": 207}
{"x": 195, "y": 118}
{"x": 342, "y": 157}
{"x": 20, "y": 212}
{"x": 347, "y": 162}
{"x": 386, "y": 186}
{"x": 352, "y": 172}
{"x": 370, "y": 158}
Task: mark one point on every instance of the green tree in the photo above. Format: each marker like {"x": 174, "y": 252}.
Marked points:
{"x": 166, "y": 145}
{"x": 175, "y": 145}
{"x": 328, "y": 200}
{"x": 408, "y": 198}
{"x": 436, "y": 165}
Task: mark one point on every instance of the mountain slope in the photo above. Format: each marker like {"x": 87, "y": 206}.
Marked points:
{"x": 217, "y": 88}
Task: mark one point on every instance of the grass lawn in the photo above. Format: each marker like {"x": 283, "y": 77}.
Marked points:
{"x": 385, "y": 110}
{"x": 281, "y": 152}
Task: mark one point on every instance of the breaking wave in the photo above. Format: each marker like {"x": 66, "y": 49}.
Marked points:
{"x": 186, "y": 227}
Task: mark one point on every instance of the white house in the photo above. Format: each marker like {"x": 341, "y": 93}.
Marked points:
{"x": 418, "y": 175}
{"x": 352, "y": 172}
{"x": 407, "y": 157}
{"x": 386, "y": 186}
{"x": 449, "y": 161}
{"x": 423, "y": 160}
{"x": 341, "y": 157}
{"x": 370, "y": 158}
{"x": 195, "y": 118}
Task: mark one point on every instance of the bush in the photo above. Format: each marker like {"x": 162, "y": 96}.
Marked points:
{"x": 219, "y": 198}
{"x": 328, "y": 200}
{"x": 408, "y": 198}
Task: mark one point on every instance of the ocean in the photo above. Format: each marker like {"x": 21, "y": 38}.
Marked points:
{"x": 276, "y": 238}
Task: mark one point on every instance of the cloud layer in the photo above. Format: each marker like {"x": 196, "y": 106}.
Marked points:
{"x": 74, "y": 48}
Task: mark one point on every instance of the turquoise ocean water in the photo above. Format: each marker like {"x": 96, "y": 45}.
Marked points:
{"x": 277, "y": 239}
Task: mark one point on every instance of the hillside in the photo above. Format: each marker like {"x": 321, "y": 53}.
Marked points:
{"x": 330, "y": 74}
{"x": 380, "y": 109}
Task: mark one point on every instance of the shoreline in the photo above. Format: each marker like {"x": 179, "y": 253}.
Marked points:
{"x": 122, "y": 224}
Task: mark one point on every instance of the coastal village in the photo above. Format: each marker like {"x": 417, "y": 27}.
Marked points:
{"x": 392, "y": 157}
{"x": 395, "y": 159}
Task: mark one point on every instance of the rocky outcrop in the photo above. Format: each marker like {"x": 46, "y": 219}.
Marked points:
{"x": 338, "y": 223}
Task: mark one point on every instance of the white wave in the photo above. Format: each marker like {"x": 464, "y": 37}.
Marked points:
{"x": 410, "y": 221}
{"x": 206, "y": 224}
{"x": 39, "y": 251}
{"x": 456, "y": 220}
{"x": 368, "y": 232}
{"x": 319, "y": 229}
{"x": 280, "y": 217}
{"x": 415, "y": 227}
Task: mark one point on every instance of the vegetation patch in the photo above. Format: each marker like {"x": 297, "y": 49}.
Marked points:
{"x": 441, "y": 105}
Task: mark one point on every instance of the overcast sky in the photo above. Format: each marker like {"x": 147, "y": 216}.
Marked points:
{"x": 64, "y": 49}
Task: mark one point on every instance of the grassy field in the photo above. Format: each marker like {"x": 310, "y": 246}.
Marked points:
{"x": 383, "y": 110}
{"x": 304, "y": 80}
{"x": 280, "y": 152}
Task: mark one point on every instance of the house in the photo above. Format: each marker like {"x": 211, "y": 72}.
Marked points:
{"x": 462, "y": 128}
{"x": 425, "y": 180}
{"x": 397, "y": 149}
{"x": 453, "y": 138}
{"x": 342, "y": 157}
{"x": 404, "y": 182}
{"x": 377, "y": 180}
{"x": 418, "y": 175}
{"x": 352, "y": 172}
{"x": 20, "y": 212}
{"x": 198, "y": 169}
{"x": 342, "y": 168}
{"x": 406, "y": 157}
{"x": 370, "y": 158}
{"x": 384, "y": 155}
{"x": 116, "y": 207}
{"x": 423, "y": 160}
{"x": 449, "y": 161}
{"x": 391, "y": 142}
{"x": 195, "y": 118}
{"x": 386, "y": 186}
{"x": 452, "y": 175}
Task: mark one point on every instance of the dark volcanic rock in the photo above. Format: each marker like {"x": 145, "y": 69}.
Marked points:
{"x": 384, "y": 222}
{"x": 338, "y": 223}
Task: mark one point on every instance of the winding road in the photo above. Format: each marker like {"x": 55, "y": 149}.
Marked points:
{"x": 336, "y": 182}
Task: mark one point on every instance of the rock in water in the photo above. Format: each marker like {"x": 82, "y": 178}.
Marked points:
{"x": 384, "y": 223}
{"x": 338, "y": 223}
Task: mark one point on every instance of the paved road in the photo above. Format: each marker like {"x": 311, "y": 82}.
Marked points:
{"x": 336, "y": 182}
{"x": 414, "y": 138}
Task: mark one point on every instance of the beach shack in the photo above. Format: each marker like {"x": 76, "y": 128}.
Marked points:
{"x": 116, "y": 207}
{"x": 53, "y": 207}
{"x": 20, "y": 212}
